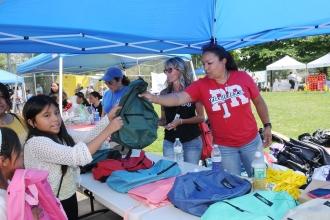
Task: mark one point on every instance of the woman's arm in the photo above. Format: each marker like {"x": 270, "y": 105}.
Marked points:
{"x": 172, "y": 99}
{"x": 193, "y": 120}
{"x": 262, "y": 111}
{"x": 162, "y": 120}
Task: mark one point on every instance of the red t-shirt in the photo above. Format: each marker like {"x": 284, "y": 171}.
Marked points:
{"x": 228, "y": 107}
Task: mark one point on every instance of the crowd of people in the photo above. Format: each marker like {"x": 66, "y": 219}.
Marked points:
{"x": 225, "y": 93}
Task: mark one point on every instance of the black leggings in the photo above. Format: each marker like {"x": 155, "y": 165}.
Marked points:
{"x": 70, "y": 207}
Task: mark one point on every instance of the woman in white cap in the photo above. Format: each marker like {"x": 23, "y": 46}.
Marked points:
{"x": 117, "y": 83}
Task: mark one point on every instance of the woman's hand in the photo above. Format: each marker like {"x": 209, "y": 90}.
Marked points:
{"x": 112, "y": 113}
{"x": 115, "y": 124}
{"x": 175, "y": 123}
{"x": 267, "y": 136}
{"x": 148, "y": 96}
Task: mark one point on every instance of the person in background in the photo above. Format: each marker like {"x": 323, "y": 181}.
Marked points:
{"x": 39, "y": 90}
{"x": 54, "y": 88}
{"x": 117, "y": 83}
{"x": 81, "y": 100}
{"x": 95, "y": 100}
{"x": 28, "y": 94}
{"x": 185, "y": 125}
{"x": 8, "y": 119}
{"x": 66, "y": 104}
{"x": 292, "y": 77}
{"x": 51, "y": 147}
{"x": 226, "y": 95}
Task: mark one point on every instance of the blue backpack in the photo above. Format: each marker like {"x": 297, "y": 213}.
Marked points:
{"x": 123, "y": 181}
{"x": 195, "y": 192}
{"x": 260, "y": 205}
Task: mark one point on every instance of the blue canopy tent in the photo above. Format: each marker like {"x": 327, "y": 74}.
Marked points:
{"x": 149, "y": 26}
{"x": 10, "y": 78}
{"x": 81, "y": 63}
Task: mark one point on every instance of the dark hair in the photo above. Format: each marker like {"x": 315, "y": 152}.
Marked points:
{"x": 32, "y": 108}
{"x": 125, "y": 80}
{"x": 5, "y": 94}
{"x": 221, "y": 53}
{"x": 96, "y": 95}
{"x": 81, "y": 95}
{"x": 10, "y": 143}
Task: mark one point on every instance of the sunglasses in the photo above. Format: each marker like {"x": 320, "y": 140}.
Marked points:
{"x": 169, "y": 70}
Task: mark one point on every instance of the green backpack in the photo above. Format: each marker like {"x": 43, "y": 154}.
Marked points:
{"x": 139, "y": 117}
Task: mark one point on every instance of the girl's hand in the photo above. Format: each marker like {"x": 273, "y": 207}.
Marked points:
{"x": 116, "y": 124}
{"x": 148, "y": 96}
{"x": 112, "y": 113}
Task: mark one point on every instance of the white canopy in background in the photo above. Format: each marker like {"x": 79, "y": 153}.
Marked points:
{"x": 158, "y": 81}
{"x": 323, "y": 61}
{"x": 286, "y": 63}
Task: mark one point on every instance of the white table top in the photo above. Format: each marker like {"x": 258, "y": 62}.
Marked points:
{"x": 125, "y": 206}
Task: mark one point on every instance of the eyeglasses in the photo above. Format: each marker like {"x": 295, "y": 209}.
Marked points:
{"x": 169, "y": 70}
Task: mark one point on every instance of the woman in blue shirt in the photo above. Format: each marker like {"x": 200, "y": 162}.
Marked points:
{"x": 117, "y": 83}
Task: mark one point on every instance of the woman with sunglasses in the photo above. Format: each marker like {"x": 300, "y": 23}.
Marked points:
{"x": 226, "y": 94}
{"x": 117, "y": 84}
{"x": 181, "y": 121}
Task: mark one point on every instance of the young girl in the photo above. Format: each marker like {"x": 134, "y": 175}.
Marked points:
{"x": 11, "y": 159}
{"x": 50, "y": 147}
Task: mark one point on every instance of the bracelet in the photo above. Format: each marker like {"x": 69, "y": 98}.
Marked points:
{"x": 181, "y": 121}
{"x": 268, "y": 125}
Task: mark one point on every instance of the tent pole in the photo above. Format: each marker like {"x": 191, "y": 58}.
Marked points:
{"x": 193, "y": 70}
{"x": 35, "y": 83}
{"x": 60, "y": 91}
{"x": 138, "y": 65}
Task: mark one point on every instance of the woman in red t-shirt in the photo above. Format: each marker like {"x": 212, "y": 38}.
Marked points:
{"x": 226, "y": 94}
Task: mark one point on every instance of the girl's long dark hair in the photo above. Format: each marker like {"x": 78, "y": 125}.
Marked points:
{"x": 10, "y": 143}
{"x": 32, "y": 108}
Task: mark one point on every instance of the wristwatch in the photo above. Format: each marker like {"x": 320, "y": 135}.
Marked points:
{"x": 268, "y": 125}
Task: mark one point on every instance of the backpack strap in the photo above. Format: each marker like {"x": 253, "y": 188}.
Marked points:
{"x": 59, "y": 189}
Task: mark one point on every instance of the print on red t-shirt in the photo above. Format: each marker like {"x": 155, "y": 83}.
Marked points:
{"x": 228, "y": 107}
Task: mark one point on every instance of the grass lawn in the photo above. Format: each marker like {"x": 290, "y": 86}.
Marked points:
{"x": 291, "y": 113}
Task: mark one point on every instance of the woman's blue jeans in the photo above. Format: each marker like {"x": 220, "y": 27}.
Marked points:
{"x": 234, "y": 157}
{"x": 191, "y": 150}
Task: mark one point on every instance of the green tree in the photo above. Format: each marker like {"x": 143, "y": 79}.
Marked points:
{"x": 2, "y": 61}
{"x": 306, "y": 49}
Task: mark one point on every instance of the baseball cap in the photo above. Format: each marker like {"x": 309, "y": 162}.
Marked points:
{"x": 111, "y": 73}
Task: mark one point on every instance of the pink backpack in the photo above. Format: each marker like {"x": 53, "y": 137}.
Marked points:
{"x": 153, "y": 194}
{"x": 28, "y": 188}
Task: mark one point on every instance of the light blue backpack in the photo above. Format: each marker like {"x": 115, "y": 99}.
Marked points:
{"x": 259, "y": 205}
{"x": 123, "y": 181}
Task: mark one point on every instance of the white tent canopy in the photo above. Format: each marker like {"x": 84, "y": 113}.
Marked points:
{"x": 286, "y": 63}
{"x": 323, "y": 61}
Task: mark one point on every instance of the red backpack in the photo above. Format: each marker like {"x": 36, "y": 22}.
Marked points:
{"x": 29, "y": 188}
{"x": 104, "y": 168}
{"x": 207, "y": 140}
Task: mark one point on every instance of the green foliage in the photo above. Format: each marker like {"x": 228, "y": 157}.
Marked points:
{"x": 3, "y": 61}
{"x": 257, "y": 57}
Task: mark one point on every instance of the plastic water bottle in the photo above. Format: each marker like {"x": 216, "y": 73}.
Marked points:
{"x": 96, "y": 116}
{"x": 259, "y": 171}
{"x": 216, "y": 157}
{"x": 178, "y": 151}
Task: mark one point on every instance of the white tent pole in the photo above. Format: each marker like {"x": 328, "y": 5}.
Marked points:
{"x": 193, "y": 70}
{"x": 35, "y": 83}
{"x": 60, "y": 91}
{"x": 15, "y": 95}
{"x": 53, "y": 79}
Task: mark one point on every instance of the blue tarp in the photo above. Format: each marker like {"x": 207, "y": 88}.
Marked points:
{"x": 154, "y": 26}
{"x": 8, "y": 78}
{"x": 80, "y": 63}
